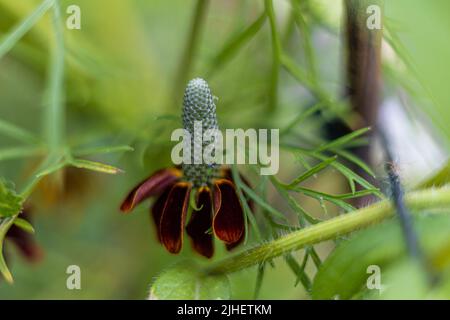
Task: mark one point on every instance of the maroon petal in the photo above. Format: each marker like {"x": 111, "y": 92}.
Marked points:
{"x": 227, "y": 174}
{"x": 200, "y": 223}
{"x": 153, "y": 185}
{"x": 157, "y": 210}
{"x": 25, "y": 243}
{"x": 174, "y": 216}
{"x": 228, "y": 222}
{"x": 231, "y": 246}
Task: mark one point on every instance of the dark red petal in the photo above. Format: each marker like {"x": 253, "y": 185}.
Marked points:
{"x": 200, "y": 223}
{"x": 174, "y": 216}
{"x": 228, "y": 222}
{"x": 152, "y": 186}
{"x": 227, "y": 174}
{"x": 25, "y": 243}
{"x": 231, "y": 246}
{"x": 157, "y": 210}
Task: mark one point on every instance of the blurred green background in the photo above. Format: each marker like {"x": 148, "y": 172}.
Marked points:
{"x": 120, "y": 80}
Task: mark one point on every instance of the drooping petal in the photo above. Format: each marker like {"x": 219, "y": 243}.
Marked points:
{"x": 157, "y": 210}
{"x": 25, "y": 243}
{"x": 174, "y": 216}
{"x": 231, "y": 246}
{"x": 200, "y": 223}
{"x": 152, "y": 186}
{"x": 228, "y": 221}
{"x": 227, "y": 174}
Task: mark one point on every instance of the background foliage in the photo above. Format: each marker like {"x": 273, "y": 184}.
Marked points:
{"x": 122, "y": 87}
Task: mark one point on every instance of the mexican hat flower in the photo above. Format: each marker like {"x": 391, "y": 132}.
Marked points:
{"x": 217, "y": 211}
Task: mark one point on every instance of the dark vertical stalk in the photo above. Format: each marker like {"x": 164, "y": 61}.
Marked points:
{"x": 363, "y": 73}
{"x": 397, "y": 193}
{"x": 363, "y": 60}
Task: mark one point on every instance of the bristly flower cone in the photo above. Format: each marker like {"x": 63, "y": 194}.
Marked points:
{"x": 198, "y": 105}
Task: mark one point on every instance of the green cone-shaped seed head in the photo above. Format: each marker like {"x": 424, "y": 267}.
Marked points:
{"x": 198, "y": 105}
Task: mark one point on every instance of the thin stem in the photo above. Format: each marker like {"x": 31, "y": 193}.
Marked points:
{"x": 186, "y": 61}
{"x": 277, "y": 52}
{"x": 55, "y": 117}
{"x": 330, "y": 229}
{"x": 23, "y": 27}
{"x": 404, "y": 215}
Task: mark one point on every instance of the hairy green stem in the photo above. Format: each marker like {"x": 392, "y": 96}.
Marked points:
{"x": 330, "y": 229}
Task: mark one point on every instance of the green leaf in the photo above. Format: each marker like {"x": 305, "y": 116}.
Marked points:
{"x": 94, "y": 166}
{"x": 299, "y": 271}
{"x": 342, "y": 141}
{"x": 24, "y": 225}
{"x": 440, "y": 178}
{"x": 59, "y": 164}
{"x": 5, "y": 224}
{"x": 352, "y": 158}
{"x": 259, "y": 280}
{"x": 344, "y": 273}
{"x": 82, "y": 152}
{"x": 312, "y": 171}
{"x": 23, "y": 27}
{"x": 10, "y": 202}
{"x": 237, "y": 42}
{"x": 262, "y": 203}
{"x": 18, "y": 133}
{"x": 18, "y": 152}
{"x": 301, "y": 117}
{"x": 186, "y": 281}
{"x": 324, "y": 196}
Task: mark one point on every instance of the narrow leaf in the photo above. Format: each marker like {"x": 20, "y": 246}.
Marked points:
{"x": 24, "y": 225}
{"x": 312, "y": 171}
{"x": 18, "y": 152}
{"x": 82, "y": 152}
{"x": 23, "y": 27}
{"x": 342, "y": 140}
{"x": 18, "y": 133}
{"x": 94, "y": 166}
{"x": 237, "y": 42}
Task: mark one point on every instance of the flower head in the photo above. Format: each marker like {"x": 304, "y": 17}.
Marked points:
{"x": 217, "y": 211}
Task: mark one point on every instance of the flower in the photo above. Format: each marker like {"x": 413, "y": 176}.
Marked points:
{"x": 217, "y": 210}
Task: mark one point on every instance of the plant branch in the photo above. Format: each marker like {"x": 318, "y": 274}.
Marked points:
{"x": 55, "y": 117}
{"x": 338, "y": 226}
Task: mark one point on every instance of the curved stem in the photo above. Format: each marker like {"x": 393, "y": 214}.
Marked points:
{"x": 330, "y": 229}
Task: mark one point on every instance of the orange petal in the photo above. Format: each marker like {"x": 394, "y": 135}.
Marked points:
{"x": 200, "y": 223}
{"x": 152, "y": 186}
{"x": 228, "y": 222}
{"x": 174, "y": 216}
